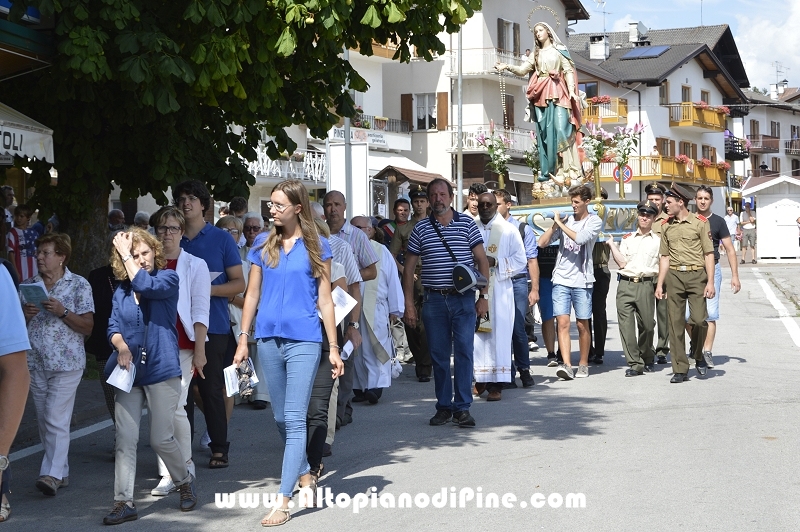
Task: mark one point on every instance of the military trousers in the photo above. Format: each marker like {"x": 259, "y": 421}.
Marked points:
{"x": 635, "y": 309}
{"x": 682, "y": 288}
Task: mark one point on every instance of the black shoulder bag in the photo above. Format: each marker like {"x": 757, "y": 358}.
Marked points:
{"x": 465, "y": 276}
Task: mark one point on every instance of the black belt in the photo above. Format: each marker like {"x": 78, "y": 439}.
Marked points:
{"x": 520, "y": 276}
{"x": 444, "y": 291}
{"x": 621, "y": 277}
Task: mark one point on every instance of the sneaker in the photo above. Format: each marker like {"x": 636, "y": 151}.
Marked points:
{"x": 463, "y": 419}
{"x": 122, "y": 512}
{"x": 164, "y": 488}
{"x": 551, "y": 360}
{"x": 525, "y": 377}
{"x": 709, "y": 359}
{"x": 188, "y": 496}
{"x": 565, "y": 372}
{"x": 441, "y": 417}
{"x": 533, "y": 346}
{"x": 583, "y": 372}
{"x": 205, "y": 440}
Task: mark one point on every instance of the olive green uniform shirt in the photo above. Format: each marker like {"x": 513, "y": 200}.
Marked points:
{"x": 686, "y": 242}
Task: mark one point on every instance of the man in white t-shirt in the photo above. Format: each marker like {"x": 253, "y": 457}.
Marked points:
{"x": 732, "y": 221}
{"x": 747, "y": 222}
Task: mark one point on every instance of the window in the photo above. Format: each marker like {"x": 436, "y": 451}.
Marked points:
{"x": 663, "y": 93}
{"x": 710, "y": 153}
{"x": 705, "y": 96}
{"x": 590, "y": 88}
{"x": 425, "y": 111}
{"x": 795, "y": 132}
{"x": 755, "y": 162}
{"x": 754, "y": 127}
{"x": 685, "y": 148}
{"x": 686, "y": 93}
{"x": 665, "y": 147}
{"x": 795, "y": 167}
{"x": 776, "y": 164}
{"x": 775, "y": 129}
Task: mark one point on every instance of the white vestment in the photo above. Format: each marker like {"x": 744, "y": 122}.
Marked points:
{"x": 381, "y": 296}
{"x": 492, "y": 355}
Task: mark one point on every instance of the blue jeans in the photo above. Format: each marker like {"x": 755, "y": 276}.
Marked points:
{"x": 290, "y": 367}
{"x": 566, "y": 298}
{"x": 519, "y": 339}
{"x": 449, "y": 321}
{"x": 712, "y": 305}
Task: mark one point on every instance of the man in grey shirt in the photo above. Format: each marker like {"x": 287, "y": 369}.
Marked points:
{"x": 573, "y": 276}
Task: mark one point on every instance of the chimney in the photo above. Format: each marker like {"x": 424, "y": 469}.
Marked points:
{"x": 636, "y": 31}
{"x": 598, "y": 48}
{"x": 782, "y": 86}
{"x": 773, "y": 91}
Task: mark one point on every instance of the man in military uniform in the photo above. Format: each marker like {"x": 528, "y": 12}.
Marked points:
{"x": 655, "y": 194}
{"x": 686, "y": 270}
{"x": 417, "y": 341}
{"x": 637, "y": 257}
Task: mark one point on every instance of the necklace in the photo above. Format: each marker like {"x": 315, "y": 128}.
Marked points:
{"x": 503, "y": 98}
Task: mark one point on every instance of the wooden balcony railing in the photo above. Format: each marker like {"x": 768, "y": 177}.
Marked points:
{"x": 614, "y": 112}
{"x": 649, "y": 168}
{"x": 792, "y": 147}
{"x": 687, "y": 114}
{"x": 764, "y": 143}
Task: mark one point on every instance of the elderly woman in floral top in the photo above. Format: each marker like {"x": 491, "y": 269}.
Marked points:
{"x": 57, "y": 358}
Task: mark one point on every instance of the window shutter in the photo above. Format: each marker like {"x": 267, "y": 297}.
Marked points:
{"x": 694, "y": 151}
{"x": 510, "y": 111}
{"x": 442, "y": 107}
{"x": 516, "y": 40}
{"x": 501, "y": 35}
{"x": 671, "y": 148}
{"x": 407, "y": 110}
{"x": 713, "y": 155}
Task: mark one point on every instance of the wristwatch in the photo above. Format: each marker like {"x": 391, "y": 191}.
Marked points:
{"x": 66, "y": 313}
{"x": 483, "y": 296}
{"x": 3, "y": 462}
{"x": 126, "y": 257}
{"x": 353, "y": 324}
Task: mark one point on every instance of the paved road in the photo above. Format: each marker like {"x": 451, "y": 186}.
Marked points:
{"x": 718, "y": 453}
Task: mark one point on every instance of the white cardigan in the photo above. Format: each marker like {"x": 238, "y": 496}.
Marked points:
{"x": 194, "y": 292}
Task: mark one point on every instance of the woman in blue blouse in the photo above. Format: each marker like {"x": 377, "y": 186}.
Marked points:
{"x": 143, "y": 315}
{"x": 294, "y": 263}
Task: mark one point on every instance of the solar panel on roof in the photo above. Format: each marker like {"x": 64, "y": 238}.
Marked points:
{"x": 644, "y": 52}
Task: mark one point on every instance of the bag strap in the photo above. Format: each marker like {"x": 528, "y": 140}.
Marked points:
{"x": 522, "y": 226}
{"x": 441, "y": 237}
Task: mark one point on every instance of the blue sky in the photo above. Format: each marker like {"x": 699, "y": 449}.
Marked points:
{"x": 765, "y": 31}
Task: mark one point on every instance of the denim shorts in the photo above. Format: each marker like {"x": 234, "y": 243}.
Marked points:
{"x": 546, "y": 298}
{"x": 712, "y": 305}
{"x": 566, "y": 298}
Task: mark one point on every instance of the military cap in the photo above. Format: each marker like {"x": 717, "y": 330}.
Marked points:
{"x": 655, "y": 188}
{"x": 677, "y": 191}
{"x": 647, "y": 207}
{"x": 417, "y": 192}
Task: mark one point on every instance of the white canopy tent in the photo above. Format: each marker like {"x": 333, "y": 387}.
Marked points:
{"x": 24, "y": 137}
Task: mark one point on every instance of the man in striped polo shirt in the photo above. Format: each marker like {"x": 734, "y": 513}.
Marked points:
{"x": 449, "y": 317}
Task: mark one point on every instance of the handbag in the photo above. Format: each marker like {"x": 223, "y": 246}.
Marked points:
{"x": 139, "y": 358}
{"x": 465, "y": 276}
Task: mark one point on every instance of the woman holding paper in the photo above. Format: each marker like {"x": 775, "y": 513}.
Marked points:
{"x": 289, "y": 280}
{"x": 142, "y": 329}
{"x": 57, "y": 328}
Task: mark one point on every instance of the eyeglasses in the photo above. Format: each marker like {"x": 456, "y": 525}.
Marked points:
{"x": 45, "y": 254}
{"x": 171, "y": 229}
{"x": 250, "y": 228}
{"x": 277, "y": 206}
{"x": 231, "y": 231}
{"x": 184, "y": 199}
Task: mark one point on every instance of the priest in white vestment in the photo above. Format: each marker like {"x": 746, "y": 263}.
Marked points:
{"x": 381, "y": 297}
{"x": 506, "y": 254}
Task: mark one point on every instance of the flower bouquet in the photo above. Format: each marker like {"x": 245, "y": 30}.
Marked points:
{"x": 497, "y": 146}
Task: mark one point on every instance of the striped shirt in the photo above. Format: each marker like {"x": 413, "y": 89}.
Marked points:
{"x": 22, "y": 242}
{"x": 365, "y": 255}
{"x": 461, "y": 234}
{"x": 343, "y": 254}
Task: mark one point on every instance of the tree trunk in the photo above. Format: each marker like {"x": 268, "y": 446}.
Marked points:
{"x": 90, "y": 247}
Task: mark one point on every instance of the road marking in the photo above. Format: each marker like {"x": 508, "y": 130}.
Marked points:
{"x": 788, "y": 321}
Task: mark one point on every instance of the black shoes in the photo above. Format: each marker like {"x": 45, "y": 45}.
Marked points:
{"x": 510, "y": 385}
{"x": 701, "y": 366}
{"x": 327, "y": 450}
{"x": 258, "y": 404}
{"x": 632, "y": 373}
{"x": 359, "y": 398}
{"x": 552, "y": 360}
{"x": 662, "y": 359}
{"x": 371, "y": 396}
{"x": 595, "y": 359}
{"x": 679, "y": 377}
{"x": 525, "y": 377}
{"x": 121, "y": 513}
{"x": 424, "y": 379}
{"x": 649, "y": 368}
{"x": 463, "y": 419}
{"x": 441, "y": 418}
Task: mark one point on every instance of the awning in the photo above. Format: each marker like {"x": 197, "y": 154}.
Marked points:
{"x": 411, "y": 175}
{"x": 381, "y": 161}
{"x": 24, "y": 137}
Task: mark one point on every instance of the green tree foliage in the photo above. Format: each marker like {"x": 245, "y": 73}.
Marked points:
{"x": 142, "y": 92}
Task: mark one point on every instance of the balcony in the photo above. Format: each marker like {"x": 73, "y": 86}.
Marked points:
{"x": 520, "y": 139}
{"x": 308, "y": 166}
{"x": 614, "y": 112}
{"x": 736, "y": 149}
{"x": 764, "y": 144}
{"x": 381, "y": 123}
{"x": 479, "y": 63}
{"x": 792, "y": 147}
{"x": 735, "y": 181}
{"x": 702, "y": 119}
{"x": 382, "y": 51}
{"x": 667, "y": 169}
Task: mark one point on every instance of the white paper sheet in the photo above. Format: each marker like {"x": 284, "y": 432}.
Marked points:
{"x": 231, "y": 380}
{"x": 343, "y": 303}
{"x": 122, "y": 378}
{"x": 347, "y": 350}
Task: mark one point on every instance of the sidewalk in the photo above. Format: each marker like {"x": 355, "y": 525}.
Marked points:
{"x": 90, "y": 406}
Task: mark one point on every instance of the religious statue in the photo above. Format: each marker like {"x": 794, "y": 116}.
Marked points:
{"x": 555, "y": 106}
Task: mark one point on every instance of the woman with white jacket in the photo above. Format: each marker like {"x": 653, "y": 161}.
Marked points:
{"x": 194, "y": 300}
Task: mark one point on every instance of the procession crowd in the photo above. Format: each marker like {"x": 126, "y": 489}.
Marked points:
{"x": 182, "y": 299}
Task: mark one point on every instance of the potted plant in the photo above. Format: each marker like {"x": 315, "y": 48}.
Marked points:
{"x": 600, "y": 99}
{"x": 596, "y": 147}
{"x": 626, "y": 140}
{"x": 724, "y": 165}
{"x": 704, "y": 163}
{"x": 682, "y": 159}
{"x": 497, "y": 146}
